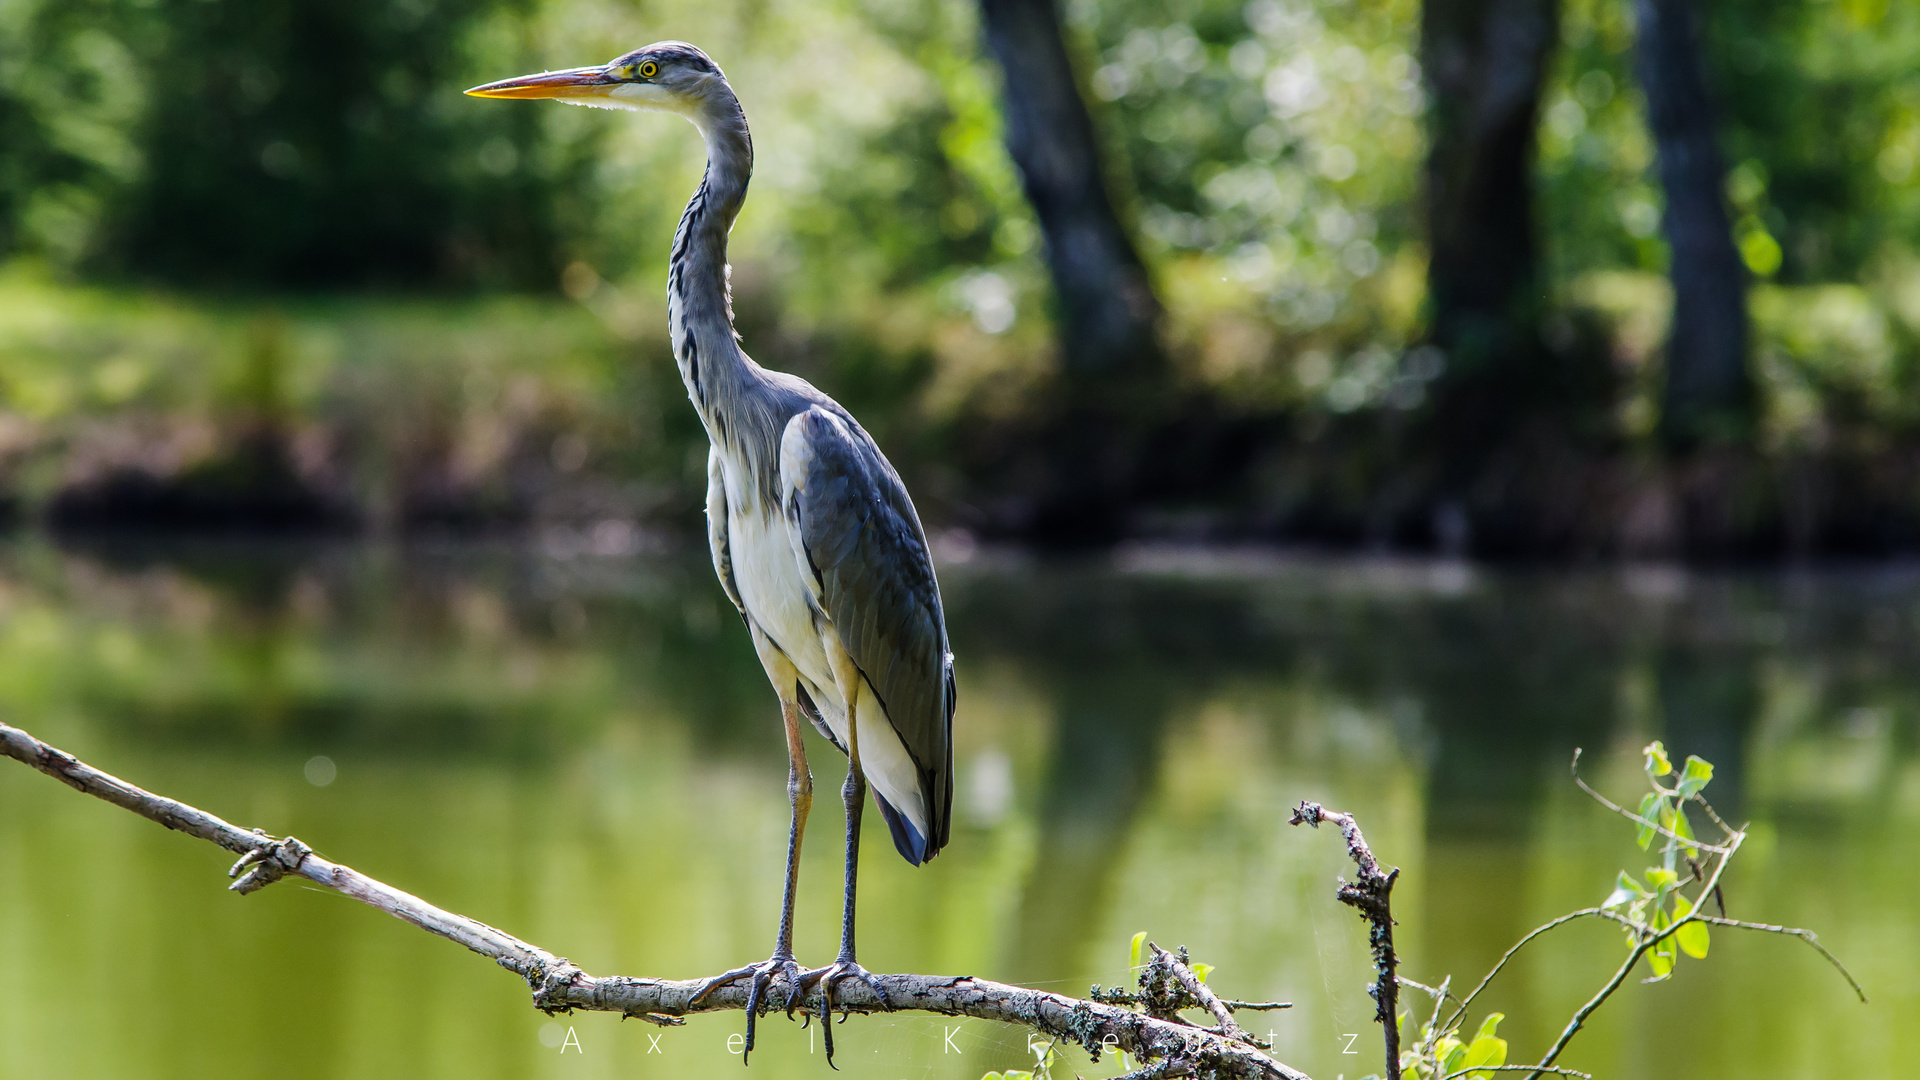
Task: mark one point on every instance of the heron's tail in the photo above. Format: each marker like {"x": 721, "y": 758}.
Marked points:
{"x": 907, "y": 840}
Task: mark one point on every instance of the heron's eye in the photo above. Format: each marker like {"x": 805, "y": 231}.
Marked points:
{"x": 648, "y": 69}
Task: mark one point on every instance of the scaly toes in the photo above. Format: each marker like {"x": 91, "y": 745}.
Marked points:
{"x": 760, "y": 978}
{"x": 827, "y": 978}
{"x": 796, "y": 985}
{"x": 851, "y": 970}
{"x": 719, "y": 981}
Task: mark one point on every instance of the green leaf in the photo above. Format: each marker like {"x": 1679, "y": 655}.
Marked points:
{"x": 1201, "y": 971}
{"x": 1658, "y": 878}
{"x": 1681, "y": 827}
{"x": 1485, "y": 1051}
{"x": 1661, "y": 961}
{"x": 1625, "y": 890}
{"x": 1649, "y": 813}
{"x": 1692, "y": 936}
{"x": 1139, "y": 943}
{"x": 1661, "y": 958}
{"x": 1696, "y": 777}
{"x": 1657, "y": 763}
{"x": 1693, "y": 940}
{"x": 1487, "y": 1028}
{"x": 1452, "y": 1053}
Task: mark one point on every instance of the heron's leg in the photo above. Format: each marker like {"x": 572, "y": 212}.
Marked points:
{"x": 781, "y": 963}
{"x": 853, "y": 795}
{"x": 800, "y": 798}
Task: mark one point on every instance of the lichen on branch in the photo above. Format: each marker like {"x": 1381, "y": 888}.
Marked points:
{"x": 559, "y": 985}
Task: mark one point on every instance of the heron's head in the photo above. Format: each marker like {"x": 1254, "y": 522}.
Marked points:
{"x": 667, "y": 76}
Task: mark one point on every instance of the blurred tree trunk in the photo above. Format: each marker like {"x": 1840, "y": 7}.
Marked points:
{"x": 1108, "y": 312}
{"x": 1484, "y": 61}
{"x": 1074, "y": 478}
{"x": 1707, "y": 388}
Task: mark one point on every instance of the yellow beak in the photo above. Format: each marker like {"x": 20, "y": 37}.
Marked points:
{"x": 573, "y": 82}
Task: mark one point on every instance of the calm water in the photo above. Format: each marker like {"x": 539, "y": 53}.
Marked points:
{"x": 583, "y": 751}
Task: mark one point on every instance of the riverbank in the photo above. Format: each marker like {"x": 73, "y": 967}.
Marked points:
{"x": 124, "y": 409}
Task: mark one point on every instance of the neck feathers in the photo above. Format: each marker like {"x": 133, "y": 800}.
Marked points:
{"x": 699, "y": 300}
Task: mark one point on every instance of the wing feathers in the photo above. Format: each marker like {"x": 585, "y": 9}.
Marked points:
{"x": 859, "y": 542}
{"x": 717, "y": 531}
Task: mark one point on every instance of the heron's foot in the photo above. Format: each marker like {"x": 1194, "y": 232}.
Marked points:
{"x": 761, "y": 976}
{"x": 827, "y": 978}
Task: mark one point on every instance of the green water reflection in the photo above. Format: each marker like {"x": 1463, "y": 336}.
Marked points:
{"x": 582, "y": 751}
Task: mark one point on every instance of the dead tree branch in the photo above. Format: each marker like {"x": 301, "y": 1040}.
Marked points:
{"x": 1207, "y": 998}
{"x": 1372, "y": 897}
{"x": 1177, "y": 1049}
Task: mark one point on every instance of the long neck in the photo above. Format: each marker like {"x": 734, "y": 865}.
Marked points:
{"x": 699, "y": 302}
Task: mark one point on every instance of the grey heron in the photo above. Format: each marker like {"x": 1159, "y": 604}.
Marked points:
{"x": 814, "y": 537}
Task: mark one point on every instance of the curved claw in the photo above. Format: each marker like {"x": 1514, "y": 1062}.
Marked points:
{"x": 761, "y": 975}
{"x": 825, "y": 978}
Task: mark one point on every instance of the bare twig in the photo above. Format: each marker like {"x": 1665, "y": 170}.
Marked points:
{"x": 1570, "y": 916}
{"x": 1515, "y": 1069}
{"x": 1159, "y": 1070}
{"x": 1708, "y": 807}
{"x": 1207, "y": 998}
{"x": 1372, "y": 897}
{"x": 1643, "y": 822}
{"x": 1440, "y": 994}
{"x": 560, "y": 986}
{"x": 1156, "y": 1001}
{"x": 1807, "y": 936}
{"x": 1436, "y": 992}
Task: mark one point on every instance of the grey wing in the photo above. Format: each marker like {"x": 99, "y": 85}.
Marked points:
{"x": 864, "y": 548}
{"x": 717, "y": 530}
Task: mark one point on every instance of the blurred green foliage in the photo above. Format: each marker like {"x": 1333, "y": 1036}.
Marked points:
{"x": 1275, "y": 149}
{"x": 281, "y": 144}
{"x": 1269, "y": 154}
{"x": 418, "y": 411}
{"x": 297, "y": 143}
{"x": 1822, "y": 106}
{"x": 1820, "y": 115}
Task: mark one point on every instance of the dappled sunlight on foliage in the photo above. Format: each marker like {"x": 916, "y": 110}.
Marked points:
{"x": 1272, "y": 147}
{"x": 1268, "y": 157}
